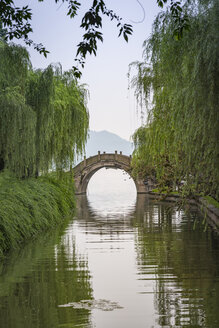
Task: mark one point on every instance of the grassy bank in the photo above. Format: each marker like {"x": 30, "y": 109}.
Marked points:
{"x": 27, "y": 207}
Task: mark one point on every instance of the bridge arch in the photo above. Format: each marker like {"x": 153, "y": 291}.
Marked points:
{"x": 89, "y": 166}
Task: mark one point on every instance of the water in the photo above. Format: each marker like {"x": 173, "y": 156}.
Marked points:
{"x": 123, "y": 261}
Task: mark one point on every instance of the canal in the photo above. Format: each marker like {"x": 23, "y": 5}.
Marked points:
{"x": 122, "y": 261}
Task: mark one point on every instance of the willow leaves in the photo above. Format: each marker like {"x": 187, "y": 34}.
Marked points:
{"x": 180, "y": 140}
{"x": 43, "y": 115}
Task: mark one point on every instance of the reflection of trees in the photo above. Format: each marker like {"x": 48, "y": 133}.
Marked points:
{"x": 40, "y": 281}
{"x": 184, "y": 263}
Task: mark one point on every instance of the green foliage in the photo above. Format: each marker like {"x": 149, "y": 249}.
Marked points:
{"x": 30, "y": 206}
{"x": 212, "y": 201}
{"x": 180, "y": 139}
{"x": 71, "y": 119}
{"x": 16, "y": 22}
{"x": 43, "y": 115}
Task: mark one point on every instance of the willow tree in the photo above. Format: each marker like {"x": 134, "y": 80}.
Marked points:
{"x": 43, "y": 115}
{"x": 70, "y": 118}
{"x": 180, "y": 139}
{"x": 17, "y": 119}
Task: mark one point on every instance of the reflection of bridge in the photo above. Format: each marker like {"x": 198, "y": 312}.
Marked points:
{"x": 85, "y": 170}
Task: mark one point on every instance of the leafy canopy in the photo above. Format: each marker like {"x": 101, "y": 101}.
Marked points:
{"x": 179, "y": 143}
{"x": 16, "y": 21}
{"x": 43, "y": 115}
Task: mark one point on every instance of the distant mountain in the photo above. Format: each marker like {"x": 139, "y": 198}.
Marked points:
{"x": 108, "y": 142}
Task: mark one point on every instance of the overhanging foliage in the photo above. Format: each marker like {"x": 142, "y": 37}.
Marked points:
{"x": 180, "y": 140}
{"x": 43, "y": 115}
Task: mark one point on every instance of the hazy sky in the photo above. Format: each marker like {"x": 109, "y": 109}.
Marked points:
{"x": 111, "y": 106}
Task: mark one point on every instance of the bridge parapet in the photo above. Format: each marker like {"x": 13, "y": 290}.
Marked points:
{"x": 126, "y": 160}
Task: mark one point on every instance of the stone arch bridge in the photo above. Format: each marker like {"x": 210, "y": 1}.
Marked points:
{"x": 89, "y": 166}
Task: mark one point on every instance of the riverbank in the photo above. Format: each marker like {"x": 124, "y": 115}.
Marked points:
{"x": 206, "y": 205}
{"x": 30, "y": 206}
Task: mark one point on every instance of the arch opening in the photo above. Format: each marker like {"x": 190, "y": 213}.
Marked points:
{"x": 111, "y": 180}
{"x": 111, "y": 192}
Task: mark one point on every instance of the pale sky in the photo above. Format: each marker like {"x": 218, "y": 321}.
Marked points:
{"x": 111, "y": 106}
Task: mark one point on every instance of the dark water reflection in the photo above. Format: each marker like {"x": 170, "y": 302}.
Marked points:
{"x": 34, "y": 281}
{"x": 141, "y": 264}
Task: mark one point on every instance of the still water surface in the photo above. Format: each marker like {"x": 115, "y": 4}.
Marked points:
{"x": 123, "y": 261}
